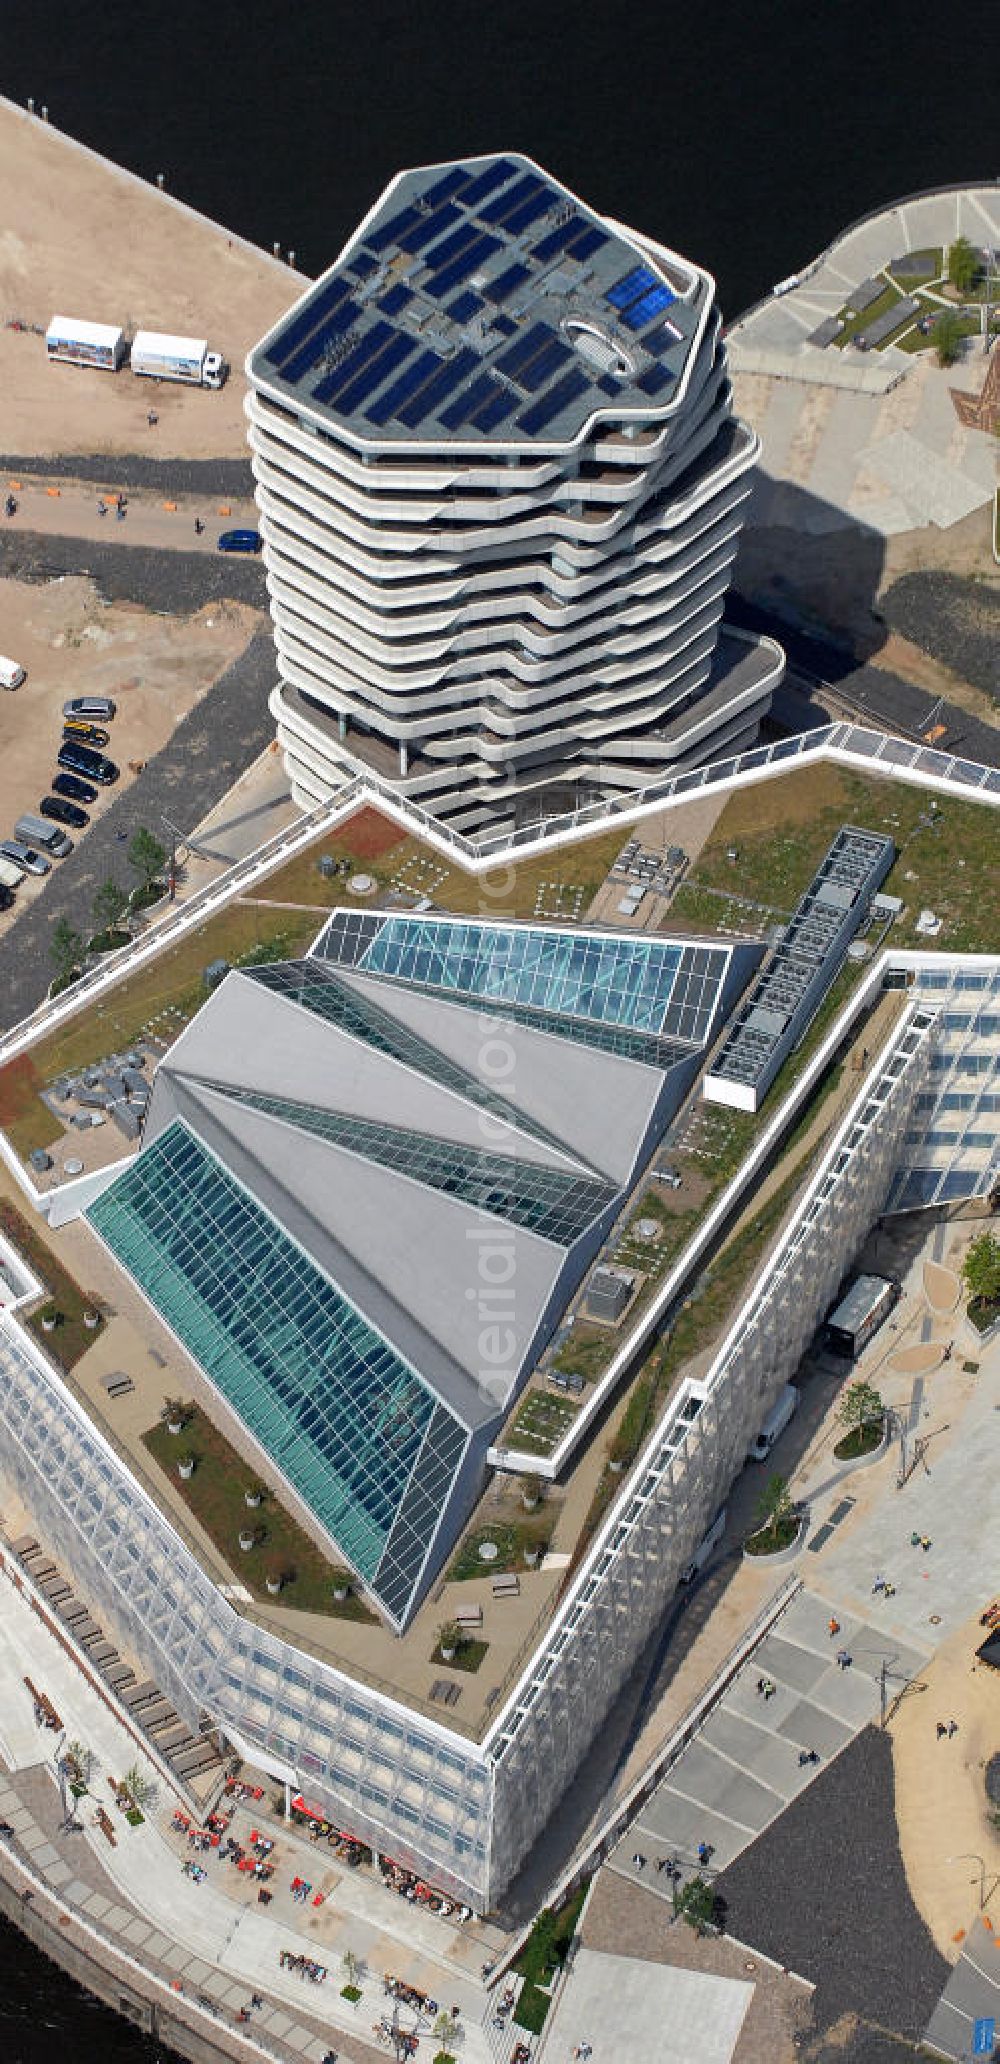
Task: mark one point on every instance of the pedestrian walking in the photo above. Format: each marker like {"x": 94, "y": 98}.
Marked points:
{"x": 760, "y": 1686}
{"x": 844, "y": 1658}
{"x": 769, "y": 1690}
{"x": 879, "y": 1585}
{"x": 952, "y": 1728}
{"x": 925, "y": 1543}
{"x": 834, "y": 1628}
{"x": 941, "y": 1730}
{"x": 198, "y": 526}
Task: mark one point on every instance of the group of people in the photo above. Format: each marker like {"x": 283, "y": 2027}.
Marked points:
{"x": 946, "y": 1727}
{"x": 409, "y": 1886}
{"x": 121, "y": 506}
{"x": 408, "y": 1995}
{"x": 303, "y": 1966}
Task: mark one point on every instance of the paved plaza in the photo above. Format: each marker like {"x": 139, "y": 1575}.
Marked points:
{"x": 615, "y": 2008}
{"x": 972, "y": 1993}
{"x": 219, "y": 1945}
{"x": 744, "y": 1766}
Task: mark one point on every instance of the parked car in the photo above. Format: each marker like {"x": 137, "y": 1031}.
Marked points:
{"x": 668, "y": 1176}
{"x": 91, "y": 706}
{"x": 86, "y": 734}
{"x": 79, "y": 759}
{"x": 24, "y": 856}
{"x": 240, "y": 541}
{"x": 11, "y": 673}
{"x": 70, "y": 785}
{"x": 61, "y": 812}
{"x": 6, "y": 897}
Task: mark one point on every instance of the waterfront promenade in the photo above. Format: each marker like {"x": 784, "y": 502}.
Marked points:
{"x": 212, "y": 1939}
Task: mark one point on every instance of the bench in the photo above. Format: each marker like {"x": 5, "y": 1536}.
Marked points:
{"x": 507, "y": 1587}
{"x": 469, "y": 1616}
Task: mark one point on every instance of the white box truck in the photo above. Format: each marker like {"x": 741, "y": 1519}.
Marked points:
{"x": 775, "y": 1423}
{"x": 159, "y": 356}
{"x": 77, "y": 342}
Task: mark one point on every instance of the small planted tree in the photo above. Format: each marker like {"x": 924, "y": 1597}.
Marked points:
{"x": 695, "y": 1901}
{"x": 776, "y": 1514}
{"x": 860, "y": 1412}
{"x": 947, "y": 338}
{"x": 963, "y": 265}
{"x": 65, "y": 950}
{"x": 109, "y": 906}
{"x": 981, "y": 1270}
{"x": 147, "y": 856}
{"x": 139, "y": 1787}
{"x": 352, "y": 1972}
{"x": 449, "y": 1639}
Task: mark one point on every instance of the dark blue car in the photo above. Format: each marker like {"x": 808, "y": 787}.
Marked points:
{"x": 240, "y": 541}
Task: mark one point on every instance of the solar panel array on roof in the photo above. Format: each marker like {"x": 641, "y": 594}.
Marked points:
{"x": 795, "y": 979}
{"x": 477, "y": 273}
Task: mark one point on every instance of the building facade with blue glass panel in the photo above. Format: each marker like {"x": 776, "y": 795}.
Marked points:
{"x": 501, "y": 488}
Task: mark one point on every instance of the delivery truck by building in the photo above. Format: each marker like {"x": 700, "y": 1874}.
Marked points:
{"x": 159, "y": 356}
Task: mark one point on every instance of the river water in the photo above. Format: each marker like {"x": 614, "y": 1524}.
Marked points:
{"x": 745, "y": 135}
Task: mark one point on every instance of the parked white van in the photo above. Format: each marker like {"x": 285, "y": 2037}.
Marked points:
{"x": 11, "y": 675}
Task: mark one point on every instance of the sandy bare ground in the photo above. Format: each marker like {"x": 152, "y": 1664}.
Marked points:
{"x": 81, "y": 237}
{"x": 155, "y": 667}
{"x": 941, "y": 1805}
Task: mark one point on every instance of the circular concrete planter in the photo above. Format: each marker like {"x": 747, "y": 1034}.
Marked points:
{"x": 779, "y": 1555}
{"x": 247, "y": 1541}
{"x": 91, "y": 1320}
{"x": 273, "y": 1586}
{"x": 185, "y": 1470}
{"x": 850, "y": 1463}
{"x": 252, "y": 1499}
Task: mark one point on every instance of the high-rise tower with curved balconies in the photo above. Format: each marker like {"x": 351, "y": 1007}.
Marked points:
{"x": 501, "y": 488}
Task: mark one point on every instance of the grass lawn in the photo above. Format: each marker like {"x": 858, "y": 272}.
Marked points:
{"x": 541, "y": 1420}
{"x": 468, "y": 1655}
{"x": 915, "y": 340}
{"x": 532, "y": 2006}
{"x": 862, "y": 1440}
{"x": 586, "y": 1353}
{"x": 856, "y": 325}
{"x": 510, "y": 1538}
{"x": 70, "y": 1338}
{"x": 709, "y": 910}
{"x": 784, "y": 827}
{"x": 215, "y": 1494}
{"x": 769, "y": 1539}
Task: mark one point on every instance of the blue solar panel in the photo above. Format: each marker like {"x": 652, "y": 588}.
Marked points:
{"x": 431, "y": 226}
{"x": 505, "y": 283}
{"x": 525, "y": 189}
{"x": 528, "y": 212}
{"x": 503, "y": 403}
{"x": 662, "y": 340}
{"x": 544, "y": 364}
{"x": 651, "y": 304}
{"x": 443, "y": 189}
{"x": 366, "y": 349}
{"x": 464, "y": 306}
{"x": 590, "y": 239}
{"x": 391, "y": 231}
{"x": 461, "y": 267}
{"x": 556, "y": 240}
{"x": 628, "y": 289}
{"x": 334, "y": 326}
{"x": 460, "y": 410}
{"x": 505, "y": 325}
{"x": 398, "y": 348}
{"x": 436, "y": 391}
{"x": 395, "y": 300}
{"x": 525, "y": 349}
{"x": 442, "y": 254}
{"x": 608, "y": 385}
{"x": 495, "y": 175}
{"x": 363, "y": 265}
{"x": 401, "y": 389}
{"x": 552, "y": 404}
{"x": 655, "y": 380}
{"x": 303, "y": 325}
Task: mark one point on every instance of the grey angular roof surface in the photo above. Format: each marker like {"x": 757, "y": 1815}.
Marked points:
{"x": 482, "y": 301}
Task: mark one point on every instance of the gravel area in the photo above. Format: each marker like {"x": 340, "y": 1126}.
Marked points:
{"x": 823, "y": 1891}
{"x": 174, "y": 583}
{"x": 956, "y": 620}
{"x": 895, "y": 703}
{"x": 210, "y": 748}
{"x": 230, "y": 478}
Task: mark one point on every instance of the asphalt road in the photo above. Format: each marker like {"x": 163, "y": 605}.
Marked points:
{"x": 223, "y": 477}
{"x": 885, "y": 702}
{"x": 824, "y": 1893}
{"x": 208, "y": 751}
{"x": 172, "y": 583}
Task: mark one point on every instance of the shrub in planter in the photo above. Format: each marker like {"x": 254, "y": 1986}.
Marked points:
{"x": 252, "y": 1497}
{"x": 274, "y": 1580}
{"x": 50, "y": 1318}
{"x": 91, "y": 1320}
{"x": 248, "y": 1539}
{"x": 341, "y": 1584}
{"x": 175, "y": 1415}
{"x": 185, "y": 1467}
{"x": 531, "y": 1553}
{"x": 449, "y": 1640}
{"x": 532, "y": 1492}
{"x": 351, "y": 1992}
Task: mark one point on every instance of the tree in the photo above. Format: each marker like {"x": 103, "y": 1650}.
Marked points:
{"x": 65, "y": 949}
{"x": 139, "y": 1787}
{"x": 981, "y": 1269}
{"x": 947, "y": 338}
{"x": 860, "y": 1406}
{"x": 109, "y": 906}
{"x": 352, "y": 1966}
{"x": 774, "y": 1505}
{"x": 696, "y": 1902}
{"x": 963, "y": 264}
{"x": 147, "y": 856}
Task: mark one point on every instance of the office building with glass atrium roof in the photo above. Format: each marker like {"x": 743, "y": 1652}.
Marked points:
{"x": 501, "y": 490}
{"x": 334, "y": 1171}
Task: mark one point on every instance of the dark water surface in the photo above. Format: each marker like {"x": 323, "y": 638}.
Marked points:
{"x": 744, "y": 135}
